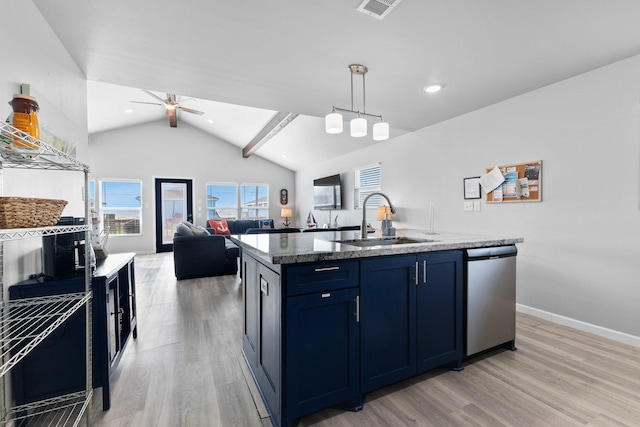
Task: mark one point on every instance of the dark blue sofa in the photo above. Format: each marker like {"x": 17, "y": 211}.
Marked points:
{"x": 196, "y": 253}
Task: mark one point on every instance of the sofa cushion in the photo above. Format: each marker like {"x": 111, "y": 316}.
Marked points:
{"x": 183, "y": 226}
{"x": 201, "y": 231}
{"x": 183, "y": 229}
{"x": 240, "y": 226}
{"x": 220, "y": 226}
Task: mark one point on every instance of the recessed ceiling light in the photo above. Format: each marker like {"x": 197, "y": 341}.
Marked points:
{"x": 210, "y": 121}
{"x": 433, "y": 87}
{"x": 284, "y": 156}
{"x": 129, "y": 111}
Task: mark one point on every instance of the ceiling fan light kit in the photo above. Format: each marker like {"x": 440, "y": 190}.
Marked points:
{"x": 171, "y": 106}
{"x": 333, "y": 121}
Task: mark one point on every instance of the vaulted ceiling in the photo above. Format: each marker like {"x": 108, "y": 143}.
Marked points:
{"x": 244, "y": 61}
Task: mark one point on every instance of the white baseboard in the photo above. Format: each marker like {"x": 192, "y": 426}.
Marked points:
{"x": 581, "y": 326}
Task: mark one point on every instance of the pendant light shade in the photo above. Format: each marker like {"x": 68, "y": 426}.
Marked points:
{"x": 358, "y": 127}
{"x": 333, "y": 122}
{"x": 380, "y": 131}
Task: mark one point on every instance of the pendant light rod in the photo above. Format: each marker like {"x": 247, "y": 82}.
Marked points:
{"x": 344, "y": 110}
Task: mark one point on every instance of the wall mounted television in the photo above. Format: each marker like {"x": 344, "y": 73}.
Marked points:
{"x": 327, "y": 193}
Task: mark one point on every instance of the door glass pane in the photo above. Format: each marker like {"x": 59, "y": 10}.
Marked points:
{"x": 174, "y": 203}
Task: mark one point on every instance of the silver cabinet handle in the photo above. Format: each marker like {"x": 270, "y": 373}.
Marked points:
{"x": 326, "y": 269}
{"x": 417, "y": 273}
{"x": 358, "y": 308}
{"x": 424, "y": 271}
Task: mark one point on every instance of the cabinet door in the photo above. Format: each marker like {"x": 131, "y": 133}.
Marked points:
{"x": 269, "y": 372}
{"x": 322, "y": 351}
{"x": 387, "y": 320}
{"x": 439, "y": 309}
{"x": 251, "y": 290}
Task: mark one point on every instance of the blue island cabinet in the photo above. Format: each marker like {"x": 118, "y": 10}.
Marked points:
{"x": 323, "y": 334}
{"x": 301, "y": 335}
{"x": 411, "y": 316}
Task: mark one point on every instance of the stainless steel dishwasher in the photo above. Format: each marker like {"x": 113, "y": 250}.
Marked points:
{"x": 490, "y": 298}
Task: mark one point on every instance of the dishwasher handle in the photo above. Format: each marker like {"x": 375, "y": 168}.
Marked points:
{"x": 490, "y": 253}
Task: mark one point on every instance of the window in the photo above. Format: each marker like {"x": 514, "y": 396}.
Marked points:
{"x": 232, "y": 201}
{"x": 254, "y": 201}
{"x": 222, "y": 201}
{"x": 368, "y": 180}
{"x": 121, "y": 206}
{"x": 92, "y": 196}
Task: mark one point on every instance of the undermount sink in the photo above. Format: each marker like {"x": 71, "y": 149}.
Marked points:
{"x": 384, "y": 241}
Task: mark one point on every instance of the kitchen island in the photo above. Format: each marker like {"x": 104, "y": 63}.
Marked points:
{"x": 329, "y": 318}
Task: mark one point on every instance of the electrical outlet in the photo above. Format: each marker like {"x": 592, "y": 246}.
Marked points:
{"x": 468, "y": 206}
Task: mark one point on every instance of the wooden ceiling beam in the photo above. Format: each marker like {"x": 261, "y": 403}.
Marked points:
{"x": 275, "y": 125}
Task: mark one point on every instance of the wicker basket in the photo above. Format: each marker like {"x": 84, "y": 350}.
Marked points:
{"x": 27, "y": 212}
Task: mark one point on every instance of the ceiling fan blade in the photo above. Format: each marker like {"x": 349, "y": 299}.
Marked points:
{"x": 154, "y": 95}
{"x": 189, "y": 110}
{"x": 173, "y": 117}
{"x": 142, "y": 102}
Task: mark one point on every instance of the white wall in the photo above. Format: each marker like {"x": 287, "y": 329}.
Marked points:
{"x": 33, "y": 54}
{"x": 579, "y": 260}
{"x": 155, "y": 150}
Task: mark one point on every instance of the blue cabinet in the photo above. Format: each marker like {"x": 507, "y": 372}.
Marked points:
{"x": 439, "y": 299}
{"x": 323, "y": 334}
{"x": 301, "y": 336}
{"x": 388, "y": 320}
{"x": 322, "y": 352}
{"x": 411, "y": 316}
{"x": 261, "y": 343}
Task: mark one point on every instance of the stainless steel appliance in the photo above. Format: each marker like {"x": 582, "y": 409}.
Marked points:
{"x": 490, "y": 298}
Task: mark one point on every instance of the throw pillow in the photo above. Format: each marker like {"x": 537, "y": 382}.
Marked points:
{"x": 201, "y": 231}
{"x": 182, "y": 229}
{"x": 265, "y": 223}
{"x": 220, "y": 227}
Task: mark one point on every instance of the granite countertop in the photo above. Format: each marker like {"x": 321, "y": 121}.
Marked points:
{"x": 292, "y": 248}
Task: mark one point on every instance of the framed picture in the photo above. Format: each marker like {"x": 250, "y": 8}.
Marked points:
{"x": 472, "y": 187}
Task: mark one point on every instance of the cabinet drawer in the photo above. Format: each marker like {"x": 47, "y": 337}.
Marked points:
{"x": 318, "y": 277}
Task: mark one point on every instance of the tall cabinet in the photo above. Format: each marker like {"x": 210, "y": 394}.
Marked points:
{"x": 27, "y": 322}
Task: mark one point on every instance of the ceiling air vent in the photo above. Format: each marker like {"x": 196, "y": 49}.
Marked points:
{"x": 377, "y": 8}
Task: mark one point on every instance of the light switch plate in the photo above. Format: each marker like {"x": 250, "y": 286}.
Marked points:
{"x": 468, "y": 206}
{"x": 476, "y": 205}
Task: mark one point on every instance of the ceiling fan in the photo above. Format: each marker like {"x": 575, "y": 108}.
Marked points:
{"x": 170, "y": 105}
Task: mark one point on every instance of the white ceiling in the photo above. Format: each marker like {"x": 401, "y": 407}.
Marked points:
{"x": 292, "y": 56}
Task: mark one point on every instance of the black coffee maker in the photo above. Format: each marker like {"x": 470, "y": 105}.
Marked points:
{"x": 63, "y": 254}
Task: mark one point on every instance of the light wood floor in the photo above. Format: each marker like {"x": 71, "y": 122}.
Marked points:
{"x": 186, "y": 369}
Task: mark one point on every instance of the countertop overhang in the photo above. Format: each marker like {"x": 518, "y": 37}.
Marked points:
{"x": 293, "y": 248}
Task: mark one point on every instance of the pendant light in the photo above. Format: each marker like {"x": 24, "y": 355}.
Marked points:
{"x": 380, "y": 131}
{"x": 333, "y": 122}
{"x": 358, "y": 126}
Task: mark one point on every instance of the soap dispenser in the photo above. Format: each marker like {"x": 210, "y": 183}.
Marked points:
{"x": 387, "y": 226}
